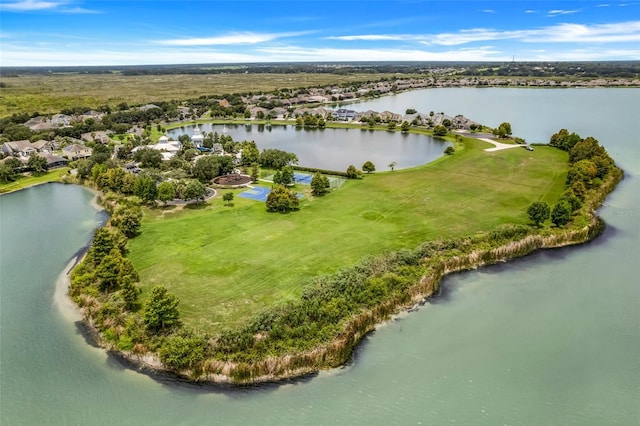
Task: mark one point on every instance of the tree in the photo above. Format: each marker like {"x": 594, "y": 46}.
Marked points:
{"x": 7, "y": 173}
{"x": 255, "y": 172}
{"x": 127, "y": 219}
{"x": 129, "y": 292}
{"x": 148, "y": 158}
{"x": 391, "y": 125}
{"x": 227, "y": 198}
{"x": 586, "y": 149}
{"x": 561, "y": 214}
{"x": 319, "y": 184}
{"x": 37, "y": 164}
{"x": 277, "y": 159}
{"x": 280, "y": 199}
{"x": 405, "y": 126}
{"x": 369, "y": 167}
{"x": 538, "y": 212}
{"x": 15, "y": 164}
{"x": 449, "y": 150}
{"x": 145, "y": 188}
{"x": 503, "y": 130}
{"x": 392, "y": 165}
{"x": 166, "y": 192}
{"x": 410, "y": 111}
{"x": 179, "y": 352}
{"x": 108, "y": 269}
{"x": 194, "y": 191}
{"x": 287, "y": 176}
{"x": 563, "y": 140}
{"x": 352, "y": 172}
{"x": 440, "y": 130}
{"x": 161, "y": 310}
{"x": 104, "y": 240}
{"x": 210, "y": 166}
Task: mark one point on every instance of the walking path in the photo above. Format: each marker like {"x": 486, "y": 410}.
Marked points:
{"x": 178, "y": 202}
{"x": 499, "y": 145}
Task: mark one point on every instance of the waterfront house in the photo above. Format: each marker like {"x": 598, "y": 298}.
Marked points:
{"x": 22, "y": 148}
{"x": 76, "y": 151}
{"x": 53, "y": 161}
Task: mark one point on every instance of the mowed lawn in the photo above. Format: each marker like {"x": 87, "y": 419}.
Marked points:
{"x": 226, "y": 263}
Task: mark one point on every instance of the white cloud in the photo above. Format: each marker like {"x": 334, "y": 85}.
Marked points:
{"x": 229, "y": 39}
{"x": 43, "y": 6}
{"x": 30, "y": 5}
{"x": 560, "y": 33}
{"x": 293, "y": 53}
{"x": 558, "y": 12}
{"x": 380, "y": 37}
{"x": 529, "y": 11}
{"x": 39, "y": 55}
{"x": 489, "y": 11}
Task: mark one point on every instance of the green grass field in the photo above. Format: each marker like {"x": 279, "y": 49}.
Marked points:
{"x": 26, "y": 181}
{"x": 226, "y": 263}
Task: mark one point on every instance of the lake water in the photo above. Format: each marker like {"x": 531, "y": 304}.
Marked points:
{"x": 335, "y": 149}
{"x": 550, "y": 339}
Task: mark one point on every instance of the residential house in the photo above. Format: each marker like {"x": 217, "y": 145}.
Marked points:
{"x": 343, "y": 114}
{"x": 44, "y": 146}
{"x": 39, "y": 123}
{"x": 279, "y": 113}
{"x": 99, "y": 136}
{"x": 76, "y": 151}
{"x": 53, "y": 161}
{"x": 317, "y": 99}
{"x": 61, "y": 120}
{"x": 390, "y": 116}
{"x": 95, "y": 115}
{"x": 258, "y": 112}
{"x": 22, "y": 148}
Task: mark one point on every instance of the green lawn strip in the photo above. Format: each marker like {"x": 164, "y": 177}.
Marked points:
{"x": 27, "y": 181}
{"x": 227, "y": 263}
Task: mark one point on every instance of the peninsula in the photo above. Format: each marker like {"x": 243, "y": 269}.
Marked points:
{"x": 228, "y": 291}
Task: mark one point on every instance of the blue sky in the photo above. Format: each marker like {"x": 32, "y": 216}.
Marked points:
{"x": 131, "y": 32}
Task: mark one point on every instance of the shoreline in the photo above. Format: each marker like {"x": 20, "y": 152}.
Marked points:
{"x": 339, "y": 352}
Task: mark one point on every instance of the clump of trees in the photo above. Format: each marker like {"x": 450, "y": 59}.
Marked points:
{"x": 538, "y": 212}
{"x": 353, "y": 173}
{"x": 277, "y": 159}
{"x": 589, "y": 165}
{"x": 503, "y": 130}
{"x": 282, "y": 200}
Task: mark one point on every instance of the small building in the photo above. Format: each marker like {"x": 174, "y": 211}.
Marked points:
{"x": 76, "y": 151}
{"x": 197, "y": 138}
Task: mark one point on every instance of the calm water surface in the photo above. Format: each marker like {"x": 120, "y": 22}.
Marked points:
{"x": 335, "y": 149}
{"x": 550, "y": 339}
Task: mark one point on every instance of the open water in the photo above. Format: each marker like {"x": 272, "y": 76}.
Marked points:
{"x": 335, "y": 149}
{"x": 552, "y": 339}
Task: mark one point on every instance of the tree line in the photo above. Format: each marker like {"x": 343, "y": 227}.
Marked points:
{"x": 589, "y": 165}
